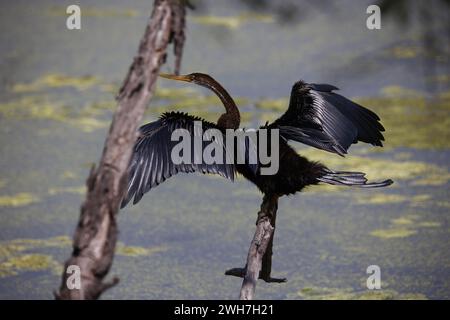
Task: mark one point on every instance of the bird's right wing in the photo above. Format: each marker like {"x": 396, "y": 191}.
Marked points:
{"x": 326, "y": 120}
{"x": 151, "y": 162}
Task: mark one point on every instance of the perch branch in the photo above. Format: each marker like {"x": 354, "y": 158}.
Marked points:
{"x": 259, "y": 259}
{"x": 96, "y": 233}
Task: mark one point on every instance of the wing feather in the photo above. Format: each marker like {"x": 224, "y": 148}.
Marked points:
{"x": 151, "y": 162}
{"x": 318, "y": 117}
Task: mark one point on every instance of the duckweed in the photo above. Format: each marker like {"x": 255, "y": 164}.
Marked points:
{"x": 403, "y": 227}
{"x": 15, "y": 255}
{"x": 18, "y": 200}
{"x": 232, "y": 22}
{"x": 55, "y": 80}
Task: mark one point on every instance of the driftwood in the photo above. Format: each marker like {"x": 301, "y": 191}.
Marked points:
{"x": 96, "y": 233}
{"x": 259, "y": 258}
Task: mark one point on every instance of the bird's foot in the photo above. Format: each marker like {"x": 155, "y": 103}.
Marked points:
{"x": 240, "y": 273}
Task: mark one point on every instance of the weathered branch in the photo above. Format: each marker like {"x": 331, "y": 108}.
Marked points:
{"x": 259, "y": 259}
{"x": 96, "y": 233}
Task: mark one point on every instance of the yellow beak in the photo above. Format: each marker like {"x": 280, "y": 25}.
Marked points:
{"x": 175, "y": 77}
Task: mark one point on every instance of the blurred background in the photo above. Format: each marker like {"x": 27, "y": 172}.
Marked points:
{"x": 56, "y": 102}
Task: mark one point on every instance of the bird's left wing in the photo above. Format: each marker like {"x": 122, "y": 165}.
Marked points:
{"x": 321, "y": 118}
{"x": 152, "y": 164}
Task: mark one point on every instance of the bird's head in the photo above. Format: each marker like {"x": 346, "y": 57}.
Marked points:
{"x": 231, "y": 118}
{"x": 201, "y": 79}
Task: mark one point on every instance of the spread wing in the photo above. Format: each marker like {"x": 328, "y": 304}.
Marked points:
{"x": 152, "y": 164}
{"x": 326, "y": 120}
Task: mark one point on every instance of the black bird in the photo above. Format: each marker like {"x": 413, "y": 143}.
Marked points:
{"x": 316, "y": 116}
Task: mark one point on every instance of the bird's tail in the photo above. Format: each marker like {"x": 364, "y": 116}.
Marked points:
{"x": 348, "y": 178}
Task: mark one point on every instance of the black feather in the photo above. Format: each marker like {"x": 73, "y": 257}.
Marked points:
{"x": 323, "y": 119}
{"x": 151, "y": 162}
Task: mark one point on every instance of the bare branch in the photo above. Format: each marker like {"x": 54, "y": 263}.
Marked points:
{"x": 96, "y": 233}
{"x": 259, "y": 259}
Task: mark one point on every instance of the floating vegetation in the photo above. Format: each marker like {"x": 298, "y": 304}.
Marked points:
{"x": 403, "y": 227}
{"x": 381, "y": 198}
{"x": 191, "y": 102}
{"x": 410, "y": 120}
{"x": 349, "y": 294}
{"x": 399, "y": 92}
{"x": 403, "y": 112}
{"x": 175, "y": 93}
{"x": 15, "y": 256}
{"x": 75, "y": 190}
{"x": 18, "y": 200}
{"x": 385, "y": 198}
{"x": 377, "y": 168}
{"x": 433, "y": 180}
{"x": 19, "y": 255}
{"x": 133, "y": 251}
{"x": 273, "y": 104}
{"x": 232, "y": 22}
{"x": 393, "y": 233}
{"x": 29, "y": 262}
{"x": 208, "y": 107}
{"x": 40, "y": 107}
{"x": 55, "y": 80}
{"x": 67, "y": 174}
{"x": 404, "y": 52}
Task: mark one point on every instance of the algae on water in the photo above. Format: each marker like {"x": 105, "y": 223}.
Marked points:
{"x": 22, "y": 255}
{"x": 18, "y": 200}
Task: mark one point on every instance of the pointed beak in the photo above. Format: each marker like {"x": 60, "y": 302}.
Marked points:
{"x": 175, "y": 77}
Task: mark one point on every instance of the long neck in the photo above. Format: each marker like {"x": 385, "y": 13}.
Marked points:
{"x": 232, "y": 115}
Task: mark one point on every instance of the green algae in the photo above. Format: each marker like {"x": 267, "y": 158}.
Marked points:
{"x": 429, "y": 224}
{"x": 393, "y": 233}
{"x": 19, "y": 255}
{"x": 232, "y": 22}
{"x": 280, "y": 104}
{"x": 443, "y": 204}
{"x": 16, "y": 258}
{"x": 55, "y": 80}
{"x": 385, "y": 198}
{"x": 404, "y": 52}
{"x": 60, "y": 190}
{"x": 381, "y": 198}
{"x": 402, "y": 95}
{"x": 403, "y": 227}
{"x": 175, "y": 93}
{"x": 88, "y": 117}
{"x": 68, "y": 175}
{"x": 41, "y": 107}
{"x": 403, "y": 112}
{"x": 29, "y": 262}
{"x": 378, "y": 168}
{"x": 134, "y": 251}
{"x": 433, "y": 180}
{"x": 411, "y": 120}
{"x": 18, "y": 200}
{"x": 193, "y": 102}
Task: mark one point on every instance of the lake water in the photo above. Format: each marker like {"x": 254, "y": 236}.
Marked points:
{"x": 56, "y": 103}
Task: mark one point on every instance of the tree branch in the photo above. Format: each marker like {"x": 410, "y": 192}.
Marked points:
{"x": 259, "y": 259}
{"x": 96, "y": 233}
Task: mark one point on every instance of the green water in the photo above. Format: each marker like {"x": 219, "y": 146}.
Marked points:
{"x": 57, "y": 99}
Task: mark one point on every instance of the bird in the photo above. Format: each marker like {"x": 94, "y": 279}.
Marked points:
{"x": 316, "y": 116}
